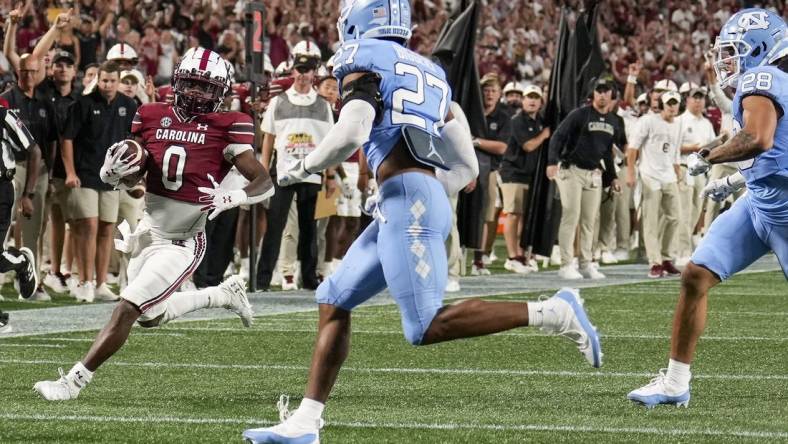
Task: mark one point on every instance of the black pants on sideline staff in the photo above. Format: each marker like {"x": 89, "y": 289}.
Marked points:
{"x": 306, "y": 198}
{"x": 220, "y": 234}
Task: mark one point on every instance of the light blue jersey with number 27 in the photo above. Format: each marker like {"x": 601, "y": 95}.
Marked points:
{"x": 414, "y": 90}
{"x": 766, "y": 174}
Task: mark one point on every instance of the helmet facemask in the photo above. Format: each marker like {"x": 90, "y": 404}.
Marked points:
{"x": 198, "y": 94}
{"x": 729, "y": 60}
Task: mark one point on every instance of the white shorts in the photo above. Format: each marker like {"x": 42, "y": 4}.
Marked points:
{"x": 157, "y": 268}
{"x": 350, "y": 207}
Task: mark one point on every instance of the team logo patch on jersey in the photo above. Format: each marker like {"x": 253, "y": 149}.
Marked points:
{"x": 43, "y": 113}
{"x": 122, "y": 111}
{"x": 165, "y": 122}
{"x": 494, "y": 126}
{"x": 202, "y": 127}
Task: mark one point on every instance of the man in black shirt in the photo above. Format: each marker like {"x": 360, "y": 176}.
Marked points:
{"x": 489, "y": 148}
{"x": 96, "y": 121}
{"x": 61, "y": 93}
{"x": 30, "y": 104}
{"x": 583, "y": 144}
{"x": 517, "y": 170}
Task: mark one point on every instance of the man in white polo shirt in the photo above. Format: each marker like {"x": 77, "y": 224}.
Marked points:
{"x": 294, "y": 124}
{"x": 696, "y": 131}
{"x": 657, "y": 143}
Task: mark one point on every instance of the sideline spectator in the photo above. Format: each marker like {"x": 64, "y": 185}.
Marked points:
{"x": 582, "y": 143}
{"x": 657, "y": 142}
{"x": 518, "y": 168}
{"x": 294, "y": 124}
{"x": 490, "y": 146}
{"x": 97, "y": 120}
{"x": 38, "y": 115}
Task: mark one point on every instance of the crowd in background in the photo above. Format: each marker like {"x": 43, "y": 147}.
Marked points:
{"x": 643, "y": 43}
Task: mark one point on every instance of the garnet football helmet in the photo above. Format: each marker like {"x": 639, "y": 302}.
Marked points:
{"x": 200, "y": 81}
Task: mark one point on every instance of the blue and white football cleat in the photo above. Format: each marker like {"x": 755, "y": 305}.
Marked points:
{"x": 565, "y": 316}
{"x": 658, "y": 392}
{"x": 287, "y": 432}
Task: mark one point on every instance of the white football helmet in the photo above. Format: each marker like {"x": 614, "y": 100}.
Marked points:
{"x": 200, "y": 81}
{"x": 122, "y": 51}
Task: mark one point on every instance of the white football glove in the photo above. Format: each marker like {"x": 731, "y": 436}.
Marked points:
{"x": 293, "y": 173}
{"x": 719, "y": 189}
{"x": 697, "y": 164}
{"x": 218, "y": 199}
{"x": 115, "y": 169}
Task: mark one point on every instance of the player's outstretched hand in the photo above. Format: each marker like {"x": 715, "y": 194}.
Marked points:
{"x": 294, "y": 173}
{"x": 719, "y": 189}
{"x": 697, "y": 164}
{"x": 114, "y": 168}
{"x": 218, "y": 199}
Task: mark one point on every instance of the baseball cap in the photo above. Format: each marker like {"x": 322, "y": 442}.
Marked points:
{"x": 532, "y": 89}
{"x": 687, "y": 86}
{"x": 63, "y": 55}
{"x": 603, "y": 83}
{"x": 665, "y": 85}
{"x": 133, "y": 73}
{"x": 513, "y": 87}
{"x": 670, "y": 95}
{"x": 643, "y": 98}
{"x": 698, "y": 90}
{"x": 305, "y": 61}
{"x": 489, "y": 78}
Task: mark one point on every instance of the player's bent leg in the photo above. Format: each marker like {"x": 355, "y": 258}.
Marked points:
{"x": 731, "y": 244}
{"x": 107, "y": 343}
{"x": 358, "y": 278}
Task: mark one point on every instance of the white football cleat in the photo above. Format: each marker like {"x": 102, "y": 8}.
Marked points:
{"x": 658, "y": 392}
{"x": 238, "y": 301}
{"x": 288, "y": 431}
{"x": 63, "y": 389}
{"x": 565, "y": 316}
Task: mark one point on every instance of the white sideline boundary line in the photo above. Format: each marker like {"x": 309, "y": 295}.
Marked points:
{"x": 395, "y": 370}
{"x": 534, "y": 335}
{"x": 408, "y": 425}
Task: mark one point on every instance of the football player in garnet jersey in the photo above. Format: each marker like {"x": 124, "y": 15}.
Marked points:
{"x": 190, "y": 148}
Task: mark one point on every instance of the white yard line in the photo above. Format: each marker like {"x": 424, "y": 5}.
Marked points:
{"x": 408, "y": 425}
{"x": 535, "y": 335}
{"x": 396, "y": 370}
{"x": 3, "y": 344}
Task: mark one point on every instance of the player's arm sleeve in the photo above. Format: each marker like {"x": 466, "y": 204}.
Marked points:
{"x": 136, "y": 122}
{"x": 17, "y": 131}
{"x": 719, "y": 97}
{"x": 457, "y": 134}
{"x": 240, "y": 136}
{"x": 351, "y": 131}
{"x": 772, "y": 92}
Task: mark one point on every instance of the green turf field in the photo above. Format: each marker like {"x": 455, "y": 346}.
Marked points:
{"x": 207, "y": 381}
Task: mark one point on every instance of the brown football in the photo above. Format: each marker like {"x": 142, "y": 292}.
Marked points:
{"x": 135, "y": 155}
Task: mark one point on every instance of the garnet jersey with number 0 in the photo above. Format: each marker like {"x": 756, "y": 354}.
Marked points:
{"x": 182, "y": 152}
